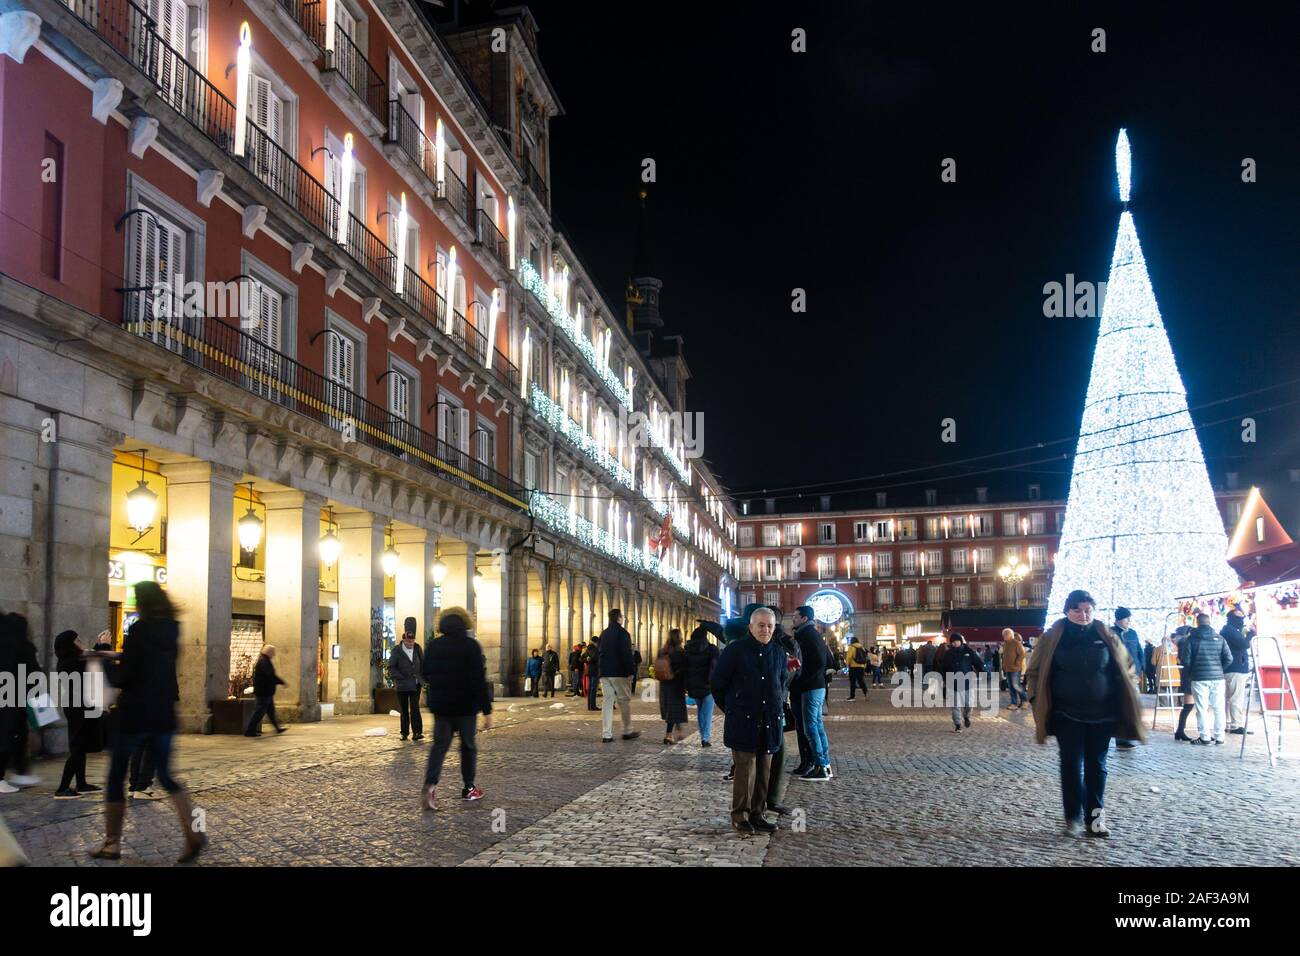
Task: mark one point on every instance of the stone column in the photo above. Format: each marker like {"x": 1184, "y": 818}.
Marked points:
{"x": 200, "y": 526}
{"x": 492, "y": 603}
{"x": 457, "y": 588}
{"x": 293, "y": 598}
{"x": 413, "y": 588}
{"x": 361, "y": 608}
{"x": 523, "y": 628}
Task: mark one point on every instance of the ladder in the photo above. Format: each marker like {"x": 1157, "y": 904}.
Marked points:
{"x": 1285, "y": 689}
{"x": 1169, "y": 693}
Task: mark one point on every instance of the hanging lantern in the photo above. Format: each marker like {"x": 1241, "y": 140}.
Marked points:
{"x": 250, "y": 526}
{"x": 330, "y": 547}
{"x": 141, "y": 504}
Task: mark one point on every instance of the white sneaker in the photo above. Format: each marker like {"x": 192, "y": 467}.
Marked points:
{"x": 24, "y": 780}
{"x": 7, "y": 787}
{"x": 1074, "y": 828}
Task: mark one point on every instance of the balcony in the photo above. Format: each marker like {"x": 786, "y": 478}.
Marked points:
{"x": 536, "y": 183}
{"x": 350, "y": 64}
{"x": 453, "y": 191}
{"x": 310, "y": 15}
{"x": 489, "y": 237}
{"x": 227, "y": 352}
{"x": 404, "y": 130}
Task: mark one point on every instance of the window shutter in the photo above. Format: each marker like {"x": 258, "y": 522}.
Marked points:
{"x": 463, "y": 437}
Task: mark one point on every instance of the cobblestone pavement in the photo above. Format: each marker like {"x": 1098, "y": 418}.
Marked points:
{"x": 907, "y": 791}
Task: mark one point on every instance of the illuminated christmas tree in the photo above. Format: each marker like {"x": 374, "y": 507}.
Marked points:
{"x": 1141, "y": 525}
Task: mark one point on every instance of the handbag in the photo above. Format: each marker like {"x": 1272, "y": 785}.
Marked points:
{"x": 528, "y": 684}
{"x": 41, "y": 711}
{"x": 664, "y": 668}
{"x": 559, "y": 681}
{"x": 787, "y": 717}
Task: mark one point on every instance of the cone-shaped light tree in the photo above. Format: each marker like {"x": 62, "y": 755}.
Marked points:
{"x": 1141, "y": 525}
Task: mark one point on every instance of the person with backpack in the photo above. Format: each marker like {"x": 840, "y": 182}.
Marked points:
{"x": 533, "y": 673}
{"x": 858, "y": 661}
{"x": 550, "y": 668}
{"x": 701, "y": 657}
{"x": 670, "y": 672}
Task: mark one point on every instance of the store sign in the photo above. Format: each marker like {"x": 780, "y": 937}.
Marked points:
{"x": 133, "y": 572}
{"x": 829, "y": 606}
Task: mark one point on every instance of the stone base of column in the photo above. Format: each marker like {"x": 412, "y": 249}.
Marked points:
{"x": 365, "y": 705}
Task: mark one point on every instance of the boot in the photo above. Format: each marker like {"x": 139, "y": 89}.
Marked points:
{"x": 194, "y": 841}
{"x": 112, "y": 848}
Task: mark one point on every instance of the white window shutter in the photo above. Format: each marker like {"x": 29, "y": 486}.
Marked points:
{"x": 463, "y": 443}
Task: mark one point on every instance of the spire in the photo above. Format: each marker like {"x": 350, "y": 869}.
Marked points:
{"x": 644, "y": 285}
{"x": 1141, "y": 526}
{"x": 643, "y": 264}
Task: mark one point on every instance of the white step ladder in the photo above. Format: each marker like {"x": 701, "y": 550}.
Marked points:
{"x": 1169, "y": 693}
{"x": 1285, "y": 690}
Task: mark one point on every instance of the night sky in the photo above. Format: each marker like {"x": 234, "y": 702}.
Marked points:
{"x": 925, "y": 299}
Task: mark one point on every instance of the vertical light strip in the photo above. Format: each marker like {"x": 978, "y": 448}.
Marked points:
{"x": 492, "y": 325}
{"x": 399, "y": 281}
{"x": 528, "y": 354}
{"x": 449, "y": 293}
{"x": 241, "y": 86}
{"x": 329, "y": 25}
{"x": 345, "y": 189}
{"x": 510, "y": 228}
{"x": 440, "y": 154}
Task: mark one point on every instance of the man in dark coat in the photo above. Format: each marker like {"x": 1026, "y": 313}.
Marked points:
{"x": 575, "y": 670}
{"x": 615, "y": 677}
{"x": 265, "y": 681}
{"x": 808, "y": 698}
{"x": 458, "y": 692}
{"x": 1204, "y": 656}
{"x": 405, "y": 665}
{"x": 550, "y": 667}
{"x": 591, "y": 660}
{"x": 1235, "y": 674}
{"x": 747, "y": 688}
{"x": 962, "y": 661}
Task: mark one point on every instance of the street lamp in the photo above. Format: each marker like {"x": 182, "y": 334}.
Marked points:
{"x": 330, "y": 546}
{"x": 141, "y": 504}
{"x": 250, "y": 526}
{"x": 391, "y": 558}
{"x": 1012, "y": 573}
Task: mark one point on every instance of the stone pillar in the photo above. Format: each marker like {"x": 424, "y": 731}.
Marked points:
{"x": 200, "y": 526}
{"x": 457, "y": 588}
{"x": 293, "y": 598}
{"x": 413, "y": 588}
{"x": 523, "y": 627}
{"x": 361, "y": 608}
{"x": 492, "y": 603}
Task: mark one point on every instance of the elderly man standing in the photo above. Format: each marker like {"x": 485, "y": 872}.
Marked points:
{"x": 748, "y": 688}
{"x": 616, "y": 668}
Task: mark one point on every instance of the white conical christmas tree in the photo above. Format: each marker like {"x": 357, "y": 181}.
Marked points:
{"x": 1141, "y": 525}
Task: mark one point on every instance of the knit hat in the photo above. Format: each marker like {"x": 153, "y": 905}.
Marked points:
{"x": 1238, "y": 612}
{"x": 1078, "y": 597}
{"x": 1122, "y": 612}
{"x": 455, "y": 619}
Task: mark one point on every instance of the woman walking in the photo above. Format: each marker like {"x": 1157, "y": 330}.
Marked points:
{"x": 701, "y": 657}
{"x": 85, "y": 734}
{"x": 145, "y": 673}
{"x": 670, "y": 671}
{"x": 1081, "y": 690}
{"x": 265, "y": 681}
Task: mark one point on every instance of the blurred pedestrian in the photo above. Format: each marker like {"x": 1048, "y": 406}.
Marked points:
{"x": 964, "y": 664}
{"x": 670, "y": 672}
{"x": 17, "y": 659}
{"x": 701, "y": 658}
{"x": 533, "y": 674}
{"x": 456, "y": 672}
{"x": 1235, "y": 675}
{"x": 1206, "y": 655}
{"x": 591, "y": 661}
{"x": 1013, "y": 666}
{"x": 615, "y": 671}
{"x": 85, "y": 733}
{"x": 145, "y": 673}
{"x": 575, "y": 669}
{"x": 1129, "y": 638}
{"x": 265, "y": 681}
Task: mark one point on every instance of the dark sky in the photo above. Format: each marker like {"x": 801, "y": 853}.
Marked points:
{"x": 822, "y": 170}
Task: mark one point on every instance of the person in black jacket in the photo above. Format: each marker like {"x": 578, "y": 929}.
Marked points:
{"x": 455, "y": 670}
{"x": 672, "y": 691}
{"x": 550, "y": 667}
{"x": 701, "y": 658}
{"x": 145, "y": 674}
{"x": 810, "y": 693}
{"x": 18, "y": 658}
{"x": 615, "y": 672}
{"x": 1235, "y": 674}
{"x": 747, "y": 688}
{"x": 962, "y": 661}
{"x": 1204, "y": 656}
{"x": 405, "y": 665}
{"x": 591, "y": 660}
{"x": 636, "y": 666}
{"x": 575, "y": 670}
{"x": 84, "y": 732}
{"x": 265, "y": 681}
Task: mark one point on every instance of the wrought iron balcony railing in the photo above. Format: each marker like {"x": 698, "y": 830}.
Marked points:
{"x": 351, "y": 64}
{"x": 536, "y": 182}
{"x": 226, "y": 351}
{"x": 489, "y": 237}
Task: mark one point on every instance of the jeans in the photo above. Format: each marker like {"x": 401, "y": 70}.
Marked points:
{"x": 408, "y": 704}
{"x": 877, "y": 677}
{"x": 443, "y": 728}
{"x": 615, "y": 689}
{"x": 1209, "y": 703}
{"x": 536, "y": 686}
{"x": 1083, "y": 767}
{"x": 1016, "y": 688}
{"x": 705, "y": 716}
{"x": 265, "y": 706}
{"x": 961, "y": 696}
{"x": 857, "y": 678}
{"x": 813, "y": 703}
{"x": 141, "y": 770}
{"x": 159, "y": 749}
{"x": 800, "y": 730}
{"x": 593, "y": 682}
{"x": 575, "y": 682}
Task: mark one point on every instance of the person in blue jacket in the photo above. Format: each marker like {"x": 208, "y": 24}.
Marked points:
{"x": 748, "y": 687}
{"x": 534, "y": 672}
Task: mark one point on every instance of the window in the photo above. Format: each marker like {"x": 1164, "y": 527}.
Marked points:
{"x": 909, "y": 595}
{"x": 983, "y": 526}
{"x": 772, "y": 598}
{"x": 986, "y": 560}
{"x": 402, "y": 88}
{"x": 1060, "y": 521}
{"x": 1037, "y": 522}
{"x": 931, "y": 496}
{"x": 561, "y": 482}
{"x": 959, "y": 560}
{"x": 934, "y": 595}
{"x": 747, "y": 598}
{"x": 771, "y": 505}
{"x": 334, "y": 179}
{"x": 269, "y": 112}
{"x": 270, "y": 321}
{"x": 453, "y": 423}
{"x": 884, "y": 563}
{"x": 794, "y": 534}
{"x": 1010, "y": 555}
{"x": 825, "y": 566}
{"x": 341, "y": 364}
{"x": 885, "y": 530}
{"x": 933, "y": 528}
{"x": 1035, "y": 492}
{"x": 907, "y": 529}
{"x": 884, "y": 596}
{"x": 159, "y": 251}
{"x": 531, "y": 468}
{"x": 412, "y": 235}
{"x": 1037, "y": 556}
{"x": 862, "y": 565}
{"x": 747, "y": 569}
{"x": 987, "y": 595}
{"x": 908, "y": 563}
{"x": 982, "y": 495}
{"x": 1010, "y": 523}
{"x": 880, "y": 499}
{"x": 934, "y": 561}
{"x": 1039, "y": 591}
{"x": 485, "y": 446}
{"x": 746, "y": 536}
{"x": 769, "y": 568}
{"x": 961, "y": 594}
{"x": 860, "y": 530}
{"x": 771, "y": 536}
{"x": 826, "y": 533}
{"x": 958, "y": 525}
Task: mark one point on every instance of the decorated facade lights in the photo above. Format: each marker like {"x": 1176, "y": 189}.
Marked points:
{"x": 440, "y": 156}
{"x": 510, "y": 229}
{"x": 345, "y": 189}
{"x": 525, "y": 359}
{"x": 243, "y": 57}
{"x": 449, "y": 295}
{"x": 400, "y": 279}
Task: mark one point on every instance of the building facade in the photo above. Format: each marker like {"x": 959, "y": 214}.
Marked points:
{"x": 285, "y": 326}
